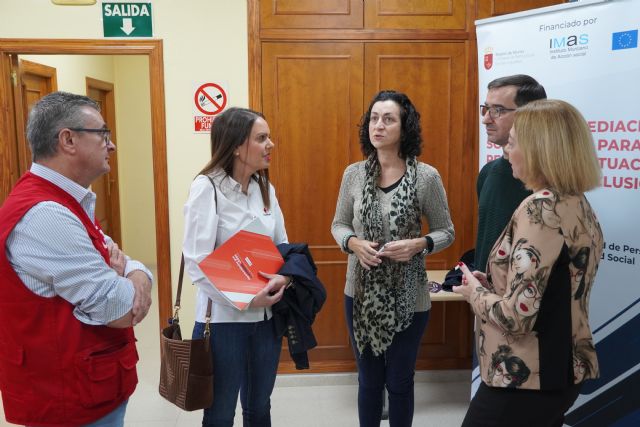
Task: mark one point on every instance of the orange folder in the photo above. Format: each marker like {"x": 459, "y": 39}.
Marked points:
{"x": 233, "y": 266}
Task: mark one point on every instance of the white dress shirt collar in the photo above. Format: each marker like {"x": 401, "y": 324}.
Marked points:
{"x": 227, "y": 184}
{"x": 76, "y": 191}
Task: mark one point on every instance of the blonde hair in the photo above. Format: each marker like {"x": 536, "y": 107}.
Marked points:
{"x": 557, "y": 147}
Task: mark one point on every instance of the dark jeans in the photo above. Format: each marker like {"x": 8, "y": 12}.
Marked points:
{"x": 497, "y": 407}
{"x": 395, "y": 369}
{"x": 245, "y": 360}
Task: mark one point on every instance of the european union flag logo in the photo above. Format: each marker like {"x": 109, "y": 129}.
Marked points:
{"x": 624, "y": 40}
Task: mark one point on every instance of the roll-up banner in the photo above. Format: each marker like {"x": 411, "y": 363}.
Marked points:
{"x": 587, "y": 53}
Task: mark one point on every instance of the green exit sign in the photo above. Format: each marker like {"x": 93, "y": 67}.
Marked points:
{"x": 127, "y": 20}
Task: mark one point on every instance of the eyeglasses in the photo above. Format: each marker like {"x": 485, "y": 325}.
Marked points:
{"x": 494, "y": 112}
{"x": 106, "y": 133}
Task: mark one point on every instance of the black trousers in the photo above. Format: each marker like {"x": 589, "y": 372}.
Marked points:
{"x": 508, "y": 407}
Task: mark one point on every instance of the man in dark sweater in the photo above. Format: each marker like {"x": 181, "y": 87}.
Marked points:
{"x": 499, "y": 193}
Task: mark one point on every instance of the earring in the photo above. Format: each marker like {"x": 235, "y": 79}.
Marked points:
{"x": 236, "y": 153}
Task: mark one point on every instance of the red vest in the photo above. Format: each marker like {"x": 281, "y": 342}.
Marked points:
{"x": 54, "y": 369}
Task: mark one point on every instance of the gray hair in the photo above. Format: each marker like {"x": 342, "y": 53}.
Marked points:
{"x": 51, "y": 114}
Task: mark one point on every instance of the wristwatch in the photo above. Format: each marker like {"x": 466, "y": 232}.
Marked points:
{"x": 426, "y": 251}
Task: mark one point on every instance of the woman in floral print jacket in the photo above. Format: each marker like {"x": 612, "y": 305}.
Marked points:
{"x": 533, "y": 339}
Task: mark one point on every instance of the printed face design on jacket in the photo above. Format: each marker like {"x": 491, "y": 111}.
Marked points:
{"x": 506, "y": 369}
{"x": 581, "y": 364}
{"x": 528, "y": 301}
{"x": 541, "y": 210}
{"x": 481, "y": 339}
{"x": 524, "y": 257}
{"x": 578, "y": 269}
{"x": 525, "y": 262}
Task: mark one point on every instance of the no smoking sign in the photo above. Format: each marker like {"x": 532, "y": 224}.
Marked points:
{"x": 210, "y": 99}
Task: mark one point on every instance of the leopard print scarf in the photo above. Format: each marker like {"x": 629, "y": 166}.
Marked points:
{"x": 385, "y": 296}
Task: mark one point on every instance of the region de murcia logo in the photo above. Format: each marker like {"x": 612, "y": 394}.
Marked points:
{"x": 488, "y": 58}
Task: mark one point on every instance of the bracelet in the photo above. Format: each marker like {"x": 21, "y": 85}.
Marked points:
{"x": 345, "y": 241}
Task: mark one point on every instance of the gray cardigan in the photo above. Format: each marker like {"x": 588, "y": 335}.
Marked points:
{"x": 433, "y": 205}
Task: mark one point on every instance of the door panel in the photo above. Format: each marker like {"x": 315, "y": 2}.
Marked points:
{"x": 311, "y": 14}
{"x": 329, "y": 327}
{"x": 9, "y": 163}
{"x": 36, "y": 81}
{"x": 106, "y": 186}
{"x": 312, "y": 99}
{"x": 489, "y": 8}
{"x": 433, "y": 75}
{"x": 414, "y": 14}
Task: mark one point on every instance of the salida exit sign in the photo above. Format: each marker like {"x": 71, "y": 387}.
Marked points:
{"x": 127, "y": 20}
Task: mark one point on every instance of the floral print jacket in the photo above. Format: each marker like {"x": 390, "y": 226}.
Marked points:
{"x": 532, "y": 320}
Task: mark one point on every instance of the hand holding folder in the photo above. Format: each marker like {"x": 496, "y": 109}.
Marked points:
{"x": 233, "y": 268}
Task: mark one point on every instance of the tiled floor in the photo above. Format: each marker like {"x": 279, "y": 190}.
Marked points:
{"x": 298, "y": 400}
{"x": 442, "y": 404}
{"x": 441, "y": 398}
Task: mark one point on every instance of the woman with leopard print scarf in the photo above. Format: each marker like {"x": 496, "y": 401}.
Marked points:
{"x": 378, "y": 222}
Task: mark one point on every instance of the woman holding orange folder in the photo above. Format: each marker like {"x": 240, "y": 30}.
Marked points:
{"x": 231, "y": 192}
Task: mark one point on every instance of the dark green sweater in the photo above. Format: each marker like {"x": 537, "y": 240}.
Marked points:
{"x": 499, "y": 194}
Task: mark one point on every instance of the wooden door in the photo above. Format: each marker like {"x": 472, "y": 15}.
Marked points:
{"x": 152, "y": 49}
{"x": 403, "y": 14}
{"x": 489, "y": 8}
{"x": 308, "y": 87}
{"x": 312, "y": 99}
{"x": 311, "y": 13}
{"x": 36, "y": 81}
{"x": 433, "y": 75}
{"x": 106, "y": 187}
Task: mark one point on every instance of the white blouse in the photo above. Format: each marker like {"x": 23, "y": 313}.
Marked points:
{"x": 207, "y": 227}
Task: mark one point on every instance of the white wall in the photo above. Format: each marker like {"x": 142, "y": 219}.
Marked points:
{"x": 204, "y": 40}
{"x": 135, "y": 161}
{"x": 71, "y": 70}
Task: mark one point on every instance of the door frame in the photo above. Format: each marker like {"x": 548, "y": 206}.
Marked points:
{"x": 154, "y": 51}
{"x": 50, "y": 74}
{"x": 112, "y": 178}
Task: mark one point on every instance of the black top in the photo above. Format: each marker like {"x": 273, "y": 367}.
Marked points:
{"x": 499, "y": 194}
{"x": 392, "y": 186}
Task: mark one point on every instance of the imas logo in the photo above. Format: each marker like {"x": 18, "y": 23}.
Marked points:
{"x": 488, "y": 58}
{"x": 568, "y": 41}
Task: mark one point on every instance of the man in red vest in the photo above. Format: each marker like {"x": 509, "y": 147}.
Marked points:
{"x": 69, "y": 298}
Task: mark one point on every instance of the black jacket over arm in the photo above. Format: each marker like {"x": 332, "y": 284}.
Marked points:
{"x": 294, "y": 314}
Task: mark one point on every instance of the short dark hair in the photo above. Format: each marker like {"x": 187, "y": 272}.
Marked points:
{"x": 49, "y": 115}
{"x": 528, "y": 88}
{"x": 410, "y": 133}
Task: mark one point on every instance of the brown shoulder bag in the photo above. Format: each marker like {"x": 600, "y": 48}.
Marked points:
{"x": 186, "y": 366}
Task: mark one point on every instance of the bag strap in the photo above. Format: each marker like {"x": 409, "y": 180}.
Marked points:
{"x": 215, "y": 192}
{"x": 176, "y": 308}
